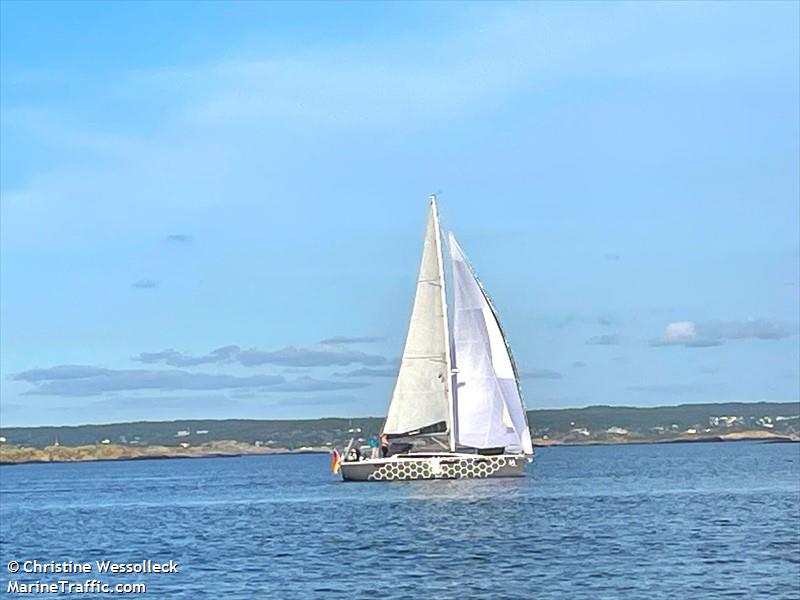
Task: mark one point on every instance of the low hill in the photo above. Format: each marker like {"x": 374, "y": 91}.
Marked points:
{"x": 593, "y": 423}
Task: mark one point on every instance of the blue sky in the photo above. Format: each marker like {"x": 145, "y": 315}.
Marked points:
{"x": 216, "y": 210}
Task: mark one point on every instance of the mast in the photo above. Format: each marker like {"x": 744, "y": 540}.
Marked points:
{"x": 448, "y": 366}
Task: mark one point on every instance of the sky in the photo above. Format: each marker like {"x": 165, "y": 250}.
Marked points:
{"x": 216, "y": 210}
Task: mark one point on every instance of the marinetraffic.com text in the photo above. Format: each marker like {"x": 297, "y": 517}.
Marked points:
{"x": 31, "y": 576}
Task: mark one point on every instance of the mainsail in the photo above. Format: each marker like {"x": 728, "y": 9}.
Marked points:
{"x": 422, "y": 400}
{"x": 489, "y": 411}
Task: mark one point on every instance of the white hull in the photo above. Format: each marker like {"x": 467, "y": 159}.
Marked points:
{"x": 410, "y": 467}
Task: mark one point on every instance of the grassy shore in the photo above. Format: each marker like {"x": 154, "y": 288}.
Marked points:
{"x": 11, "y": 454}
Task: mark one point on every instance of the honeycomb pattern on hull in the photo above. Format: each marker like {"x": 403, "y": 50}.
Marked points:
{"x": 441, "y": 468}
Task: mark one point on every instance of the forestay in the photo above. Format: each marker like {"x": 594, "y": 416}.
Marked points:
{"x": 421, "y": 397}
{"x": 489, "y": 410}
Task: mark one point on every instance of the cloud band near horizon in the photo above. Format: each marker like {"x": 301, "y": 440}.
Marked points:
{"x": 80, "y": 380}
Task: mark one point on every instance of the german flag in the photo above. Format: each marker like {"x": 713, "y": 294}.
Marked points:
{"x": 335, "y": 461}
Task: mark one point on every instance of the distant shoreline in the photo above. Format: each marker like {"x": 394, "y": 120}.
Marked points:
{"x": 592, "y": 425}
{"x": 19, "y": 455}
{"x": 13, "y": 455}
{"x": 775, "y": 439}
{"x": 4, "y": 463}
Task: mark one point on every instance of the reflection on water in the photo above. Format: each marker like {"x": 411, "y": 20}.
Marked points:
{"x": 466, "y": 490}
{"x": 670, "y": 521}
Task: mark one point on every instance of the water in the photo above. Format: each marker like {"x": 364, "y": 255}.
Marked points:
{"x": 667, "y": 521}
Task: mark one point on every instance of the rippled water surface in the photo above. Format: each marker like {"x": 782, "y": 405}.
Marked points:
{"x": 668, "y": 521}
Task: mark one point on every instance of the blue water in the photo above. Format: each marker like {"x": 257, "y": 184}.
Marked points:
{"x": 668, "y": 521}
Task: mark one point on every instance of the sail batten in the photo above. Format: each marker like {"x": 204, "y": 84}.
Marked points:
{"x": 422, "y": 396}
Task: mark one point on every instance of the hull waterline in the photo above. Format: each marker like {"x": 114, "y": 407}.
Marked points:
{"x": 413, "y": 468}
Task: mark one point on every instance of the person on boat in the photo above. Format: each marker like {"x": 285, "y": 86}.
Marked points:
{"x": 373, "y": 447}
{"x": 384, "y": 445}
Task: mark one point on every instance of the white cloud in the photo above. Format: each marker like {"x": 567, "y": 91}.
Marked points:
{"x": 79, "y": 380}
{"x": 714, "y": 333}
{"x": 680, "y": 332}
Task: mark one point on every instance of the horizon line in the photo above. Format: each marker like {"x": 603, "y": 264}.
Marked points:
{"x": 529, "y": 410}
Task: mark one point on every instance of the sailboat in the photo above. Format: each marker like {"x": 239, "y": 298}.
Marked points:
{"x": 457, "y": 409}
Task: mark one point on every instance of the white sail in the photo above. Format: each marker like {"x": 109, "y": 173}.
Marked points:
{"x": 421, "y": 397}
{"x": 489, "y": 411}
